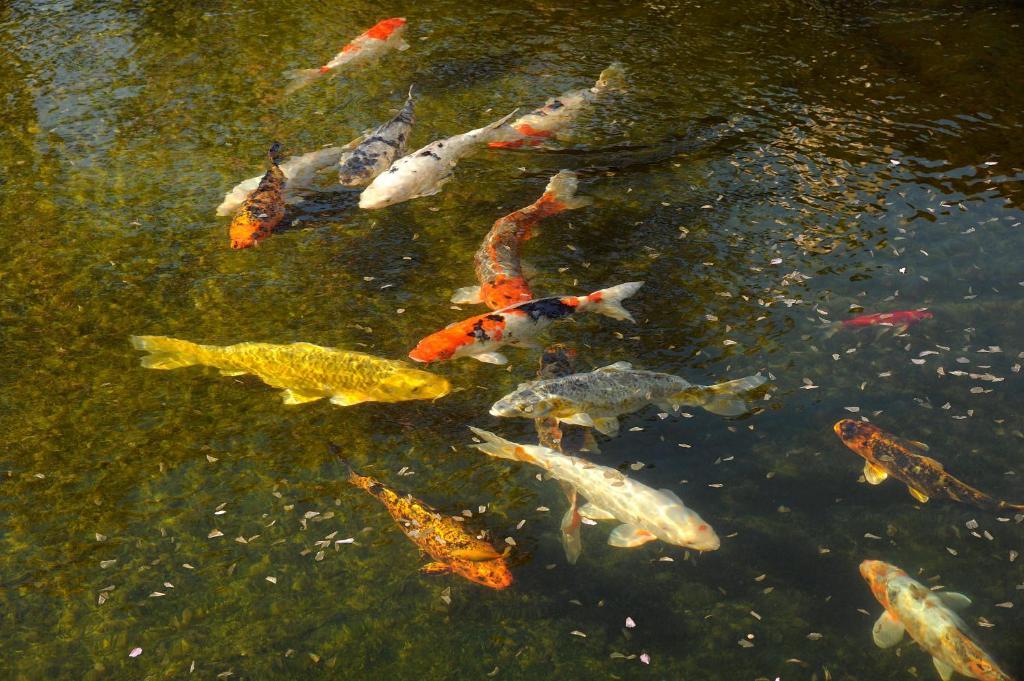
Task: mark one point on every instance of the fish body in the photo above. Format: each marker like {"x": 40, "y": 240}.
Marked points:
{"x": 378, "y": 151}
{"x": 425, "y": 171}
{"x": 646, "y": 513}
{"x": 556, "y": 361}
{"x": 930, "y": 619}
{"x": 901, "y": 319}
{"x": 481, "y": 336}
{"x": 886, "y": 455}
{"x": 540, "y": 125}
{"x": 599, "y": 397}
{"x": 306, "y": 372}
{"x": 263, "y": 210}
{"x": 498, "y": 267}
{"x": 384, "y": 36}
{"x": 299, "y": 173}
{"x": 449, "y": 546}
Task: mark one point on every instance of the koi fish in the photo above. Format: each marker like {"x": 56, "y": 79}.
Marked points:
{"x": 930, "y": 618}
{"x": 542, "y": 124}
{"x": 450, "y": 547}
{"x": 598, "y": 398}
{"x": 646, "y": 513}
{"x": 479, "y": 337}
{"x": 385, "y": 35}
{"x": 263, "y": 210}
{"x": 901, "y": 319}
{"x": 380, "y": 148}
{"x": 424, "y": 172}
{"x": 306, "y": 372}
{"x": 556, "y": 361}
{"x": 887, "y": 455}
{"x": 497, "y": 260}
{"x": 299, "y": 173}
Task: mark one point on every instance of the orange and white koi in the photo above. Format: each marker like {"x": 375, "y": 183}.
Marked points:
{"x": 383, "y": 36}
{"x": 540, "y": 125}
{"x": 497, "y": 260}
{"x": 263, "y": 210}
{"x": 441, "y": 537}
{"x": 479, "y": 337}
{"x": 930, "y": 619}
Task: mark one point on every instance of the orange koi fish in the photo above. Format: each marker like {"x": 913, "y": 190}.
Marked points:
{"x": 930, "y": 619}
{"x": 263, "y": 210}
{"x": 887, "y": 455}
{"x": 384, "y": 35}
{"x": 449, "y": 546}
{"x": 497, "y": 260}
{"x": 479, "y": 337}
{"x": 540, "y": 125}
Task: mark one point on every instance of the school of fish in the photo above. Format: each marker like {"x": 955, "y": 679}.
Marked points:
{"x": 566, "y": 405}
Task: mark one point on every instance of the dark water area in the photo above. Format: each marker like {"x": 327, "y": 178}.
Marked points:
{"x": 771, "y": 167}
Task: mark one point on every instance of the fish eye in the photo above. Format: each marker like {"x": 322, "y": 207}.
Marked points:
{"x": 849, "y": 428}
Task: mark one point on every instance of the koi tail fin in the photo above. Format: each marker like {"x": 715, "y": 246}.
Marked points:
{"x": 724, "y": 399}
{"x": 608, "y": 301}
{"x": 274, "y": 153}
{"x": 612, "y": 78}
{"x": 300, "y": 78}
{"x": 561, "y": 191}
{"x": 167, "y": 353}
{"x": 496, "y": 129}
{"x": 501, "y": 448}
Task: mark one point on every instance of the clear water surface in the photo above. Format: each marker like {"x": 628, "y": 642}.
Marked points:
{"x": 773, "y": 164}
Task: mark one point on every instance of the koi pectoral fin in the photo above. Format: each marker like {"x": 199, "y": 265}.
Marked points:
{"x": 589, "y": 510}
{"x": 491, "y": 358}
{"x": 944, "y": 670}
{"x": 467, "y": 295}
{"x": 629, "y": 536}
{"x": 919, "y": 495}
{"x": 436, "y": 568}
{"x": 953, "y": 600}
{"x": 290, "y": 396}
{"x": 579, "y": 419}
{"x": 608, "y": 426}
{"x": 571, "y": 541}
{"x": 347, "y": 399}
{"x": 874, "y": 474}
{"x": 888, "y": 631}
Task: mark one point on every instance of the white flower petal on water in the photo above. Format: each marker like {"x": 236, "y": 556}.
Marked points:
{"x": 135, "y": 652}
{"x": 630, "y": 624}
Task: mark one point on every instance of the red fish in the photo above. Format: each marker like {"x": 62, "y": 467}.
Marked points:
{"x": 901, "y": 319}
{"x": 480, "y": 336}
{"x": 497, "y": 260}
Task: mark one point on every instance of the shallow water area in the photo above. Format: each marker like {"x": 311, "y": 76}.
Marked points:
{"x": 771, "y": 167}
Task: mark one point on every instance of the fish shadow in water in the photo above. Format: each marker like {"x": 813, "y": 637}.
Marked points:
{"x": 450, "y": 75}
{"x": 323, "y": 206}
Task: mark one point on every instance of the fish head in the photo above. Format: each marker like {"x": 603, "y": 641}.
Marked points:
{"x": 494, "y": 574}
{"x": 437, "y": 347}
{"x": 684, "y": 527}
{"x": 878, "y": 574}
{"x": 526, "y": 403}
{"x": 413, "y": 384}
{"x": 858, "y": 436}
{"x": 985, "y": 670}
{"x": 388, "y": 28}
{"x": 243, "y": 232}
{"x": 383, "y": 192}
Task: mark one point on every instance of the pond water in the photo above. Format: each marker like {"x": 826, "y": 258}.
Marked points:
{"x": 771, "y": 166}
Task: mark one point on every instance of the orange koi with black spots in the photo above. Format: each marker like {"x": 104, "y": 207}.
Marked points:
{"x": 441, "y": 537}
{"x": 263, "y": 210}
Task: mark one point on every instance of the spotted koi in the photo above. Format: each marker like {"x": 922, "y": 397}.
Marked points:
{"x": 263, "y": 210}
{"x": 479, "y": 337}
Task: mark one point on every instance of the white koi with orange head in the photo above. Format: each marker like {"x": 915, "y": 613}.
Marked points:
{"x": 930, "y": 619}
